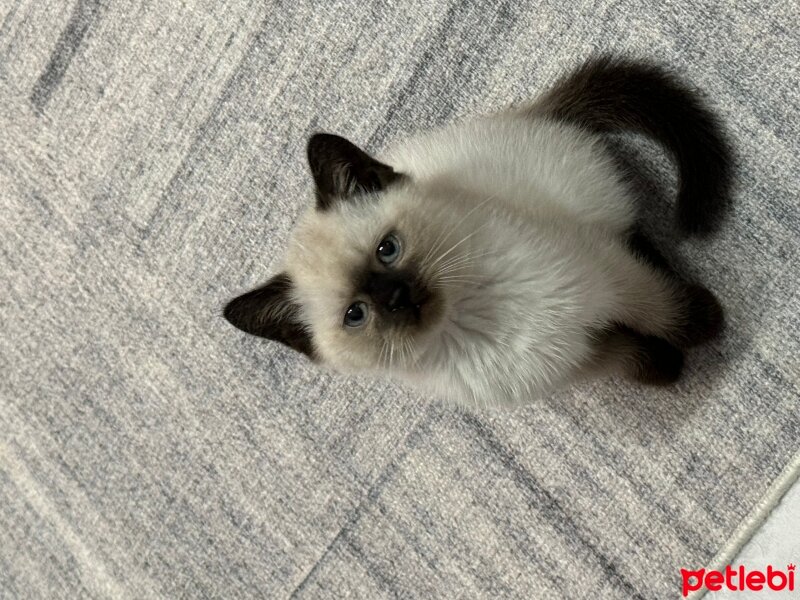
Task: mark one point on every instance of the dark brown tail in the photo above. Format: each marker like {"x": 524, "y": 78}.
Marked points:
{"x": 610, "y": 94}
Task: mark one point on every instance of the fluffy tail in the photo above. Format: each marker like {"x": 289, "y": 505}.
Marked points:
{"x": 613, "y": 94}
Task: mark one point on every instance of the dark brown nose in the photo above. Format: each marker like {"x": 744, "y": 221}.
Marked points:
{"x": 392, "y": 292}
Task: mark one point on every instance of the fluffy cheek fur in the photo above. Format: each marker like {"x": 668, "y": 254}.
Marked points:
{"x": 332, "y": 251}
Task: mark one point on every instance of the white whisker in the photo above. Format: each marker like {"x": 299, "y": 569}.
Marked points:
{"x": 457, "y": 244}
{"x": 440, "y": 239}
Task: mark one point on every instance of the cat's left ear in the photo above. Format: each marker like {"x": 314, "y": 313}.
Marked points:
{"x": 270, "y": 312}
{"x": 341, "y": 169}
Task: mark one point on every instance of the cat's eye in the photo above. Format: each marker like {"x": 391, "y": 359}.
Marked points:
{"x": 388, "y": 250}
{"x": 356, "y": 314}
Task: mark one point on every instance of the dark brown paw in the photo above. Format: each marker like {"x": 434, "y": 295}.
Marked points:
{"x": 705, "y": 316}
{"x": 657, "y": 361}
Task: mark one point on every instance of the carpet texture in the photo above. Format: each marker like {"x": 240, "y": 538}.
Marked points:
{"x": 151, "y": 166}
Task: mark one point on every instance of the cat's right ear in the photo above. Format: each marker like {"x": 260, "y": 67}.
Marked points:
{"x": 341, "y": 169}
{"x": 270, "y": 312}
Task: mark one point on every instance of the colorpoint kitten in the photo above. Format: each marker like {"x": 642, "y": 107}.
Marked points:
{"x": 496, "y": 260}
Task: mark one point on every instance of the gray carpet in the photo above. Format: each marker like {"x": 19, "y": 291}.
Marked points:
{"x": 151, "y": 165}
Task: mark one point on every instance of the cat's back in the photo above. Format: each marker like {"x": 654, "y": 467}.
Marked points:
{"x": 536, "y": 165}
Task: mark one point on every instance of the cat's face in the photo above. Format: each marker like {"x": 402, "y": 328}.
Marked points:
{"x": 371, "y": 270}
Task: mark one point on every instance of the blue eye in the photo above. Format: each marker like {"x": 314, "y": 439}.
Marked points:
{"x": 356, "y": 314}
{"x": 388, "y": 250}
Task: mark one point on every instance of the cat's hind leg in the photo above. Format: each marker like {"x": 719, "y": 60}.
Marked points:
{"x": 697, "y": 315}
{"x": 644, "y": 358}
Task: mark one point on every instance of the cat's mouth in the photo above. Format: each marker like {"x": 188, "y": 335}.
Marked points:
{"x": 420, "y": 309}
{"x": 414, "y": 313}
{"x": 428, "y": 310}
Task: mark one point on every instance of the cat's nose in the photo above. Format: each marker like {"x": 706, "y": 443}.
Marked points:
{"x": 392, "y": 293}
{"x": 400, "y": 297}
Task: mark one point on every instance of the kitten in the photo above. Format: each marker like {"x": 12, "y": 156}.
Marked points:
{"x": 493, "y": 261}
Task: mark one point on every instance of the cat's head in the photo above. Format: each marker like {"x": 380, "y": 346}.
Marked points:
{"x": 370, "y": 272}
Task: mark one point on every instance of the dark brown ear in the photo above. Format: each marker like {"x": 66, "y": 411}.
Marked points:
{"x": 270, "y": 312}
{"x": 341, "y": 169}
